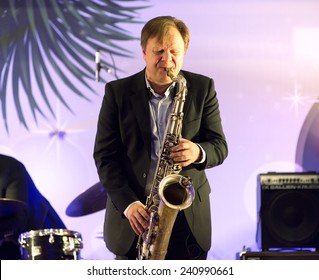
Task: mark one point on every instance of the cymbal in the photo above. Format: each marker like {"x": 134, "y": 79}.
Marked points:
{"x": 88, "y": 202}
{"x": 9, "y": 207}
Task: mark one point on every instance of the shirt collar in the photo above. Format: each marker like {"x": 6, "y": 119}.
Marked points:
{"x": 167, "y": 92}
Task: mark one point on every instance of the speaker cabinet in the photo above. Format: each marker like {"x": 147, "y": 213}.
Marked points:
{"x": 288, "y": 210}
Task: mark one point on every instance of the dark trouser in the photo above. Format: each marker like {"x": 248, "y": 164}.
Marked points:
{"x": 182, "y": 244}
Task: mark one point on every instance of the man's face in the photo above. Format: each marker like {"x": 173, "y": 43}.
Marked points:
{"x": 161, "y": 55}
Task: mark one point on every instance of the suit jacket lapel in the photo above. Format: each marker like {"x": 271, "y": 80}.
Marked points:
{"x": 188, "y": 96}
{"x": 139, "y": 101}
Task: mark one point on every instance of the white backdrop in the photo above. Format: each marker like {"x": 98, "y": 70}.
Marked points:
{"x": 263, "y": 56}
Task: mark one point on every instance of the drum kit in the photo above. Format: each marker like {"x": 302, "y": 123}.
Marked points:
{"x": 56, "y": 244}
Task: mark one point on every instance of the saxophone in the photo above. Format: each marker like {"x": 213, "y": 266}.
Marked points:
{"x": 170, "y": 192}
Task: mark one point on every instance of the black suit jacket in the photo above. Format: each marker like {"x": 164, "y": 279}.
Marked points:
{"x": 123, "y": 145}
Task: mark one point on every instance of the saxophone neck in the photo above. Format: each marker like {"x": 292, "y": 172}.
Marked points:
{"x": 170, "y": 73}
{"x": 179, "y": 79}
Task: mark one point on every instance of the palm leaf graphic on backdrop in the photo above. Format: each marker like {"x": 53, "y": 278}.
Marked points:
{"x": 38, "y": 33}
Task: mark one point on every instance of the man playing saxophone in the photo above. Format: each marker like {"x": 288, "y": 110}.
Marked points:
{"x": 130, "y": 134}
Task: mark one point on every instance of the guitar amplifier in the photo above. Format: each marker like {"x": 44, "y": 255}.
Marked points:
{"x": 288, "y": 210}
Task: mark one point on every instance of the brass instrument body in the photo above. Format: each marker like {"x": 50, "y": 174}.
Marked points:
{"x": 170, "y": 192}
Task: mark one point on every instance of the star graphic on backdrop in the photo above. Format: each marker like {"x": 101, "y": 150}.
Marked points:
{"x": 297, "y": 99}
{"x": 59, "y": 132}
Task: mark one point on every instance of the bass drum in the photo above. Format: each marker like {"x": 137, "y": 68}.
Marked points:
{"x": 50, "y": 244}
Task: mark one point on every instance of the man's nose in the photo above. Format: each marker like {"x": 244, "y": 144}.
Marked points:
{"x": 166, "y": 56}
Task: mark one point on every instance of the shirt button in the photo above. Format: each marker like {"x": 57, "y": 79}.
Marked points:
{"x": 144, "y": 175}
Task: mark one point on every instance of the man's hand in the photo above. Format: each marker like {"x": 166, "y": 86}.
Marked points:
{"x": 138, "y": 217}
{"x": 185, "y": 153}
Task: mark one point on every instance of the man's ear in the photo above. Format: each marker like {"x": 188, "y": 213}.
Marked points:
{"x": 144, "y": 53}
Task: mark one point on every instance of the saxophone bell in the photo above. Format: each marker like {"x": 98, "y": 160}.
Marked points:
{"x": 176, "y": 191}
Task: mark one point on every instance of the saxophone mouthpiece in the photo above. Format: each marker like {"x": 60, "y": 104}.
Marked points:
{"x": 170, "y": 72}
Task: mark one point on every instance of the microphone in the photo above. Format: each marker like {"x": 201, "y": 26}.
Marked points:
{"x": 98, "y": 65}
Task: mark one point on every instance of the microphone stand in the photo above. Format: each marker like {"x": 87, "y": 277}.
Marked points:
{"x": 99, "y": 66}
